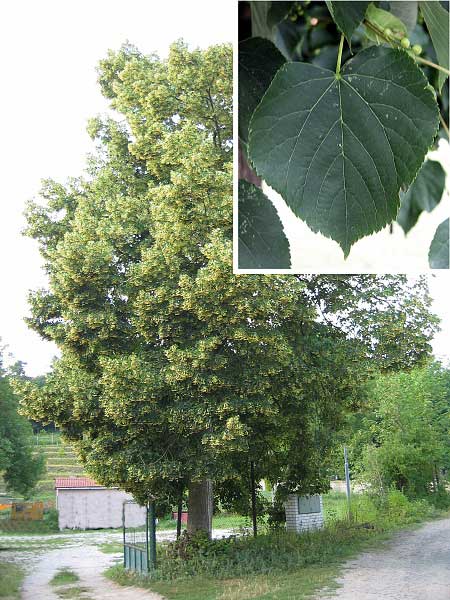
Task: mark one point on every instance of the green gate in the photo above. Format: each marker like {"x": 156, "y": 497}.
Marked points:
{"x": 139, "y": 541}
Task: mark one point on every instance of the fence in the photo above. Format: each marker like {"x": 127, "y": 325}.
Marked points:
{"x": 139, "y": 543}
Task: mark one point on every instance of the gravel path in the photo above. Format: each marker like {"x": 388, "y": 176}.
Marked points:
{"x": 88, "y": 563}
{"x": 414, "y": 566}
{"x": 78, "y": 552}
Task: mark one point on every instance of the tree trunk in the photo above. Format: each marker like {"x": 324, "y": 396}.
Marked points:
{"x": 200, "y": 507}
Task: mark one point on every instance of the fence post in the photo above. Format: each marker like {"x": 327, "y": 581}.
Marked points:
{"x": 123, "y": 534}
{"x": 152, "y": 534}
{"x": 347, "y": 482}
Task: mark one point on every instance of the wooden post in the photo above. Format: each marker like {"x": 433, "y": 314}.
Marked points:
{"x": 179, "y": 513}
{"x": 253, "y": 486}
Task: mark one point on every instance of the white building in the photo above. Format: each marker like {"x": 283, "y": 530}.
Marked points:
{"x": 84, "y": 504}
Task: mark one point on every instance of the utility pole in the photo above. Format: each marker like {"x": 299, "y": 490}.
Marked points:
{"x": 347, "y": 482}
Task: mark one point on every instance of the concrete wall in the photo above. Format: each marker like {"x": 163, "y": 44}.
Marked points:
{"x": 96, "y": 509}
{"x": 296, "y": 521}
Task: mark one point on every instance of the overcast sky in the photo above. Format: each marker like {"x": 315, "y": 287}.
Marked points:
{"x": 50, "y": 50}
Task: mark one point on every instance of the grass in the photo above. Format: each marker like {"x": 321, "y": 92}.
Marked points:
{"x": 74, "y": 592}
{"x": 64, "y": 576}
{"x": 11, "y": 577}
{"x": 111, "y": 547}
{"x": 280, "y": 565}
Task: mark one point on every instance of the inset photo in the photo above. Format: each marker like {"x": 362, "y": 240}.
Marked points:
{"x": 343, "y": 137}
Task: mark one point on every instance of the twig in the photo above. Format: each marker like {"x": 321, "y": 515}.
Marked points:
{"x": 444, "y": 124}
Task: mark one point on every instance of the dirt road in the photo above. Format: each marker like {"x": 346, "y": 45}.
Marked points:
{"x": 88, "y": 563}
{"x": 415, "y": 565}
{"x": 43, "y": 556}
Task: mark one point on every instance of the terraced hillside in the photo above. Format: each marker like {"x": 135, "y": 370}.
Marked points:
{"x": 60, "y": 462}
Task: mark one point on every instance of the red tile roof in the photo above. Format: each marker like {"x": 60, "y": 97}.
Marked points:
{"x": 76, "y": 482}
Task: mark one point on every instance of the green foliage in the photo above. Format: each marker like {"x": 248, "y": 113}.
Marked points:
{"x": 425, "y": 193}
{"x": 19, "y": 468}
{"x": 341, "y": 145}
{"x": 438, "y": 255}
{"x": 436, "y": 18}
{"x": 262, "y": 242}
{"x": 402, "y": 441}
{"x": 347, "y": 15}
{"x": 255, "y": 76}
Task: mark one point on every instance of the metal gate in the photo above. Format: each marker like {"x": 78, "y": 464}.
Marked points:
{"x": 139, "y": 541}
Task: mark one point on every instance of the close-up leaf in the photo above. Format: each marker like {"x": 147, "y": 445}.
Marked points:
{"x": 424, "y": 194}
{"x": 383, "y": 19}
{"x": 438, "y": 256}
{"x": 437, "y": 21}
{"x": 339, "y": 148}
{"x": 347, "y": 15}
{"x": 259, "y": 60}
{"x": 262, "y": 241}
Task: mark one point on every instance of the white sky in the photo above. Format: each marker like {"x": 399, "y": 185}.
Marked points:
{"x": 50, "y": 50}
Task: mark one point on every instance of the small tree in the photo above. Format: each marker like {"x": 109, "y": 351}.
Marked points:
{"x": 18, "y": 467}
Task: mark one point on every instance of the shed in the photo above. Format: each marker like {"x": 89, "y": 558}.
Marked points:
{"x": 303, "y": 512}
{"x": 82, "y": 503}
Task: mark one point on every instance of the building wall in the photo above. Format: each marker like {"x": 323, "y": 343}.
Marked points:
{"x": 96, "y": 509}
{"x": 299, "y": 522}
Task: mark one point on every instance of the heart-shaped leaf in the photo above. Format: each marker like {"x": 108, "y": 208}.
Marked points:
{"x": 262, "y": 241}
{"x": 438, "y": 256}
{"x": 347, "y": 15}
{"x": 437, "y": 21}
{"x": 425, "y": 193}
{"x": 259, "y": 60}
{"x": 338, "y": 148}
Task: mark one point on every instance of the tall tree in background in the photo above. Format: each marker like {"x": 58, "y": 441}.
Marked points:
{"x": 19, "y": 468}
{"x": 174, "y": 373}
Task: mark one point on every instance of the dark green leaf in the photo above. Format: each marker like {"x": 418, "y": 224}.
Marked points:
{"x": 424, "y": 193}
{"x": 436, "y": 19}
{"x": 438, "y": 256}
{"x": 262, "y": 241}
{"x": 259, "y": 60}
{"x": 347, "y": 15}
{"x": 277, "y": 12}
{"x": 339, "y": 149}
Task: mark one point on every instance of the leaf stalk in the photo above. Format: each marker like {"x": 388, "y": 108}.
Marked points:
{"x": 444, "y": 124}
{"x": 339, "y": 57}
